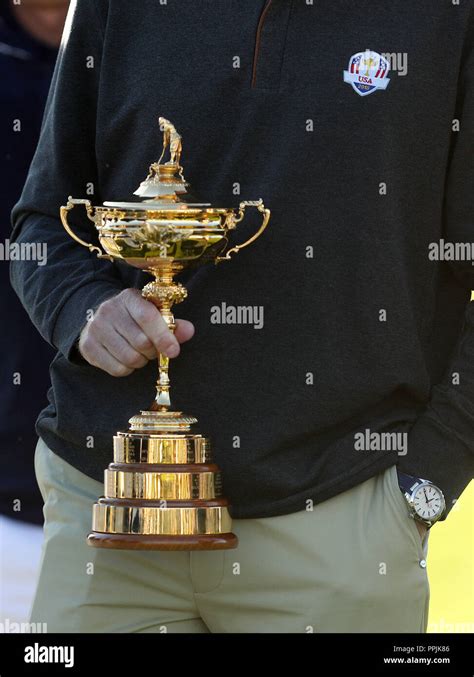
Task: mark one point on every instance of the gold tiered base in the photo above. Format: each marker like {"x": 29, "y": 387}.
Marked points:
{"x": 162, "y": 492}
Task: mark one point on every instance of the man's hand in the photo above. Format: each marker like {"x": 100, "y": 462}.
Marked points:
{"x": 126, "y": 332}
{"x": 422, "y": 528}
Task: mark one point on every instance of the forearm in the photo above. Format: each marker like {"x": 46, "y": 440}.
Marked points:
{"x": 59, "y": 295}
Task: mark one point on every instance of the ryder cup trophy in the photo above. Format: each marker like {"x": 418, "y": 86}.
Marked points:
{"x": 163, "y": 492}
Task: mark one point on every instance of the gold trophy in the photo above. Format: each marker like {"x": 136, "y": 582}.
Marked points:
{"x": 163, "y": 492}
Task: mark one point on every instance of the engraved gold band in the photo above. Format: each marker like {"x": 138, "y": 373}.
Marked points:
{"x": 135, "y": 448}
{"x": 162, "y": 485}
{"x": 114, "y": 519}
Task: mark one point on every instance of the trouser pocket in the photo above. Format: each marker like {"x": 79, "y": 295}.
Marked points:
{"x": 405, "y": 521}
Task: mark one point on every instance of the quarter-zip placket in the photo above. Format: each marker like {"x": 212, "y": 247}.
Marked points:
{"x": 270, "y": 40}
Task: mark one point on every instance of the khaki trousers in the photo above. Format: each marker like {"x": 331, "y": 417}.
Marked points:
{"x": 355, "y": 563}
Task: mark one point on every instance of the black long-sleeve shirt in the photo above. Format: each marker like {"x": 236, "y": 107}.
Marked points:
{"x": 363, "y": 332}
{"x": 26, "y": 67}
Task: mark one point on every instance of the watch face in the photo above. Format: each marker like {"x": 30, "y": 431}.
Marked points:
{"x": 428, "y": 501}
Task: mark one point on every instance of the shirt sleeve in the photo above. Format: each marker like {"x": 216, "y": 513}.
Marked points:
{"x": 59, "y": 294}
{"x": 441, "y": 442}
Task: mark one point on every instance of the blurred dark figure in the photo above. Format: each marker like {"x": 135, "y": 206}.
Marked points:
{"x": 30, "y": 34}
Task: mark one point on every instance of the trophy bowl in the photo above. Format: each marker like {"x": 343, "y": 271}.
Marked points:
{"x": 162, "y": 491}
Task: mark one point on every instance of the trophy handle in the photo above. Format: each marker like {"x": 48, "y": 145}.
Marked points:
{"x": 266, "y": 218}
{"x": 71, "y": 203}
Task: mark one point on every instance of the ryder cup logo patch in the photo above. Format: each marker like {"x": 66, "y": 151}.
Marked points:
{"x": 367, "y": 72}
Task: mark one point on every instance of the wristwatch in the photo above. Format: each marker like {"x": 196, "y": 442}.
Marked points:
{"x": 425, "y": 500}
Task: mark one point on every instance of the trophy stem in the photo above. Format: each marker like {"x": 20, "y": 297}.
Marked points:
{"x": 164, "y": 292}
{"x": 162, "y": 399}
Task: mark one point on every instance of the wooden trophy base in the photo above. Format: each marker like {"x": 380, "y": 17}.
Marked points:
{"x": 152, "y": 542}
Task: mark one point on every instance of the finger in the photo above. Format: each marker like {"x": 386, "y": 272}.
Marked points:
{"x": 105, "y": 361}
{"x": 184, "y": 330}
{"x": 150, "y": 321}
{"x": 136, "y": 338}
{"x": 119, "y": 347}
{"x": 114, "y": 314}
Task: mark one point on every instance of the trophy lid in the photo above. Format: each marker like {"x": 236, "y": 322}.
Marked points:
{"x": 165, "y": 181}
{"x": 165, "y": 187}
{"x": 161, "y": 204}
